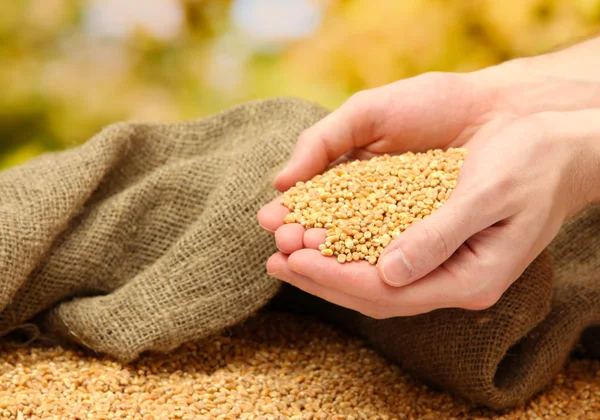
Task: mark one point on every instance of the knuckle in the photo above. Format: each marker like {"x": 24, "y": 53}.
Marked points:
{"x": 532, "y": 135}
{"x": 499, "y": 186}
{"x": 426, "y": 245}
{"x": 533, "y": 125}
{"x": 484, "y": 196}
{"x": 361, "y": 104}
{"x": 542, "y": 139}
{"x": 440, "y": 242}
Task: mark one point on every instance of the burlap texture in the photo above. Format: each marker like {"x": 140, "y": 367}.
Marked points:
{"x": 145, "y": 238}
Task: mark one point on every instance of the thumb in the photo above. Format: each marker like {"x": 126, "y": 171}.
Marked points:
{"x": 430, "y": 242}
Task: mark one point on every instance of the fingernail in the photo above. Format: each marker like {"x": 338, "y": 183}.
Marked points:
{"x": 276, "y": 274}
{"x": 264, "y": 228}
{"x": 276, "y": 244}
{"x": 395, "y": 269}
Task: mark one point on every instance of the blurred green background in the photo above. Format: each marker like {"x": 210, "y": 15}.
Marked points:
{"x": 70, "y": 67}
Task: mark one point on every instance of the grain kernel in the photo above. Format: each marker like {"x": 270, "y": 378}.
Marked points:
{"x": 364, "y": 205}
{"x": 385, "y": 240}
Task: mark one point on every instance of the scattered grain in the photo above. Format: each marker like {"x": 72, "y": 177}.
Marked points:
{"x": 276, "y": 366}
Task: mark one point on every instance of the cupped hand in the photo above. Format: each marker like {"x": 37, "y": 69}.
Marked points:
{"x": 533, "y": 162}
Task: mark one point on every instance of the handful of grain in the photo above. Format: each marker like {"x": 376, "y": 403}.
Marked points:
{"x": 364, "y": 205}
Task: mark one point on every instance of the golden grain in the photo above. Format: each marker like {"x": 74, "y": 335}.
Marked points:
{"x": 371, "y": 202}
{"x": 276, "y": 366}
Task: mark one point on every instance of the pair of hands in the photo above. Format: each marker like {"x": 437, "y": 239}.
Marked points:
{"x": 534, "y": 144}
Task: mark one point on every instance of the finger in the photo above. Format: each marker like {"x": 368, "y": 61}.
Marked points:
{"x": 271, "y": 216}
{"x": 475, "y": 277}
{"x": 440, "y": 289}
{"x": 290, "y": 237}
{"x": 428, "y": 243}
{"x": 314, "y": 237}
{"x": 293, "y": 237}
{"x": 361, "y": 281}
{"x": 277, "y": 267}
{"x": 416, "y": 114}
{"x": 354, "y": 154}
{"x": 350, "y": 126}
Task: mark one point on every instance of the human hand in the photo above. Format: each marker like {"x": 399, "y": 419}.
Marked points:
{"x": 533, "y": 162}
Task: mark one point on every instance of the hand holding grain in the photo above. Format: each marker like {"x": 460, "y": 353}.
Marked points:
{"x": 533, "y": 147}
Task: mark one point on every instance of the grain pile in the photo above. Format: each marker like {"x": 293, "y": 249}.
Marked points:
{"x": 364, "y": 205}
{"x": 277, "y": 366}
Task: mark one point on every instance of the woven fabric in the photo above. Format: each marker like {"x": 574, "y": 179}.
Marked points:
{"x": 145, "y": 238}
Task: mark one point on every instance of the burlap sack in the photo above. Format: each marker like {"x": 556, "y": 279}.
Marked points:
{"x": 145, "y": 238}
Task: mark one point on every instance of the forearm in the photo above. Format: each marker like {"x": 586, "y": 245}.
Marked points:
{"x": 578, "y": 135}
{"x": 565, "y": 80}
{"x": 578, "y": 62}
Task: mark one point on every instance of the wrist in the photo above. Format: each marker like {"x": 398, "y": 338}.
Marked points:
{"x": 581, "y": 135}
{"x": 550, "y": 74}
{"x": 579, "y": 62}
{"x": 517, "y": 87}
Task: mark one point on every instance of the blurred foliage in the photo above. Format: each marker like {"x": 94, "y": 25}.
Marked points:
{"x": 61, "y": 83}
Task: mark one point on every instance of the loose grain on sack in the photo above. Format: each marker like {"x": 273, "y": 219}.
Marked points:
{"x": 274, "y": 367}
{"x": 364, "y": 205}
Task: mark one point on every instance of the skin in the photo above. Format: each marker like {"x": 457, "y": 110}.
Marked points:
{"x": 532, "y": 130}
